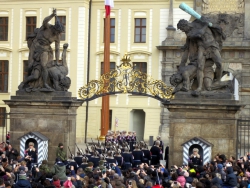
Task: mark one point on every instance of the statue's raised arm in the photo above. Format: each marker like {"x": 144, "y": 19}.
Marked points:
{"x": 48, "y": 18}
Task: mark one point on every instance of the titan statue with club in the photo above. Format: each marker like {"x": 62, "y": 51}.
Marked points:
{"x": 202, "y": 48}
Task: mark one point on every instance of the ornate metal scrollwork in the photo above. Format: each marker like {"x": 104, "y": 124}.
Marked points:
{"x": 125, "y": 79}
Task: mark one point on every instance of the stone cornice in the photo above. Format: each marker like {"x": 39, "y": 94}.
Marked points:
{"x": 140, "y": 52}
{"x": 178, "y": 47}
{"x": 5, "y": 49}
{"x": 111, "y": 52}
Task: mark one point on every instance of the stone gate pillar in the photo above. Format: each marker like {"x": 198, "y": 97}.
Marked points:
{"x": 210, "y": 117}
{"x": 53, "y": 114}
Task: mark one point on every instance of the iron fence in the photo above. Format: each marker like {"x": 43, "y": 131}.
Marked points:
{"x": 243, "y": 137}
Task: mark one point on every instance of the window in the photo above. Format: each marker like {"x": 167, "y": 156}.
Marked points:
{"x": 140, "y": 30}
{"x": 4, "y": 69}
{"x": 141, "y": 66}
{"x": 25, "y": 69}
{"x": 2, "y": 116}
{"x": 62, "y": 19}
{"x": 4, "y": 28}
{"x": 30, "y": 25}
{"x": 112, "y": 30}
{"x": 112, "y": 67}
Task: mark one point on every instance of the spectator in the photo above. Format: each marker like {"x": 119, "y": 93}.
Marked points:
{"x": 231, "y": 179}
{"x": 59, "y": 169}
{"x": 11, "y": 153}
{"x": 22, "y": 182}
{"x": 181, "y": 179}
{"x": 60, "y": 154}
{"x": 2, "y": 185}
{"x": 56, "y": 181}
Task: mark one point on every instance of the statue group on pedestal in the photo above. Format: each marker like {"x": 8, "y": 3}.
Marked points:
{"x": 202, "y": 49}
{"x": 45, "y": 74}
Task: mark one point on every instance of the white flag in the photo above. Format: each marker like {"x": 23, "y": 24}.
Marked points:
{"x": 116, "y": 121}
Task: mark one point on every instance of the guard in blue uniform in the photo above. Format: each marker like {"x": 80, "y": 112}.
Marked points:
{"x": 95, "y": 159}
{"x": 72, "y": 162}
{"x": 84, "y": 163}
{"x": 118, "y": 157}
{"x": 161, "y": 146}
{"x": 110, "y": 159}
{"x": 138, "y": 156}
{"x": 78, "y": 158}
{"x": 155, "y": 153}
{"x": 87, "y": 154}
{"x": 127, "y": 159}
{"x": 146, "y": 152}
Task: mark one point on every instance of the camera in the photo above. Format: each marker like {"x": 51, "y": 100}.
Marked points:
{"x": 130, "y": 182}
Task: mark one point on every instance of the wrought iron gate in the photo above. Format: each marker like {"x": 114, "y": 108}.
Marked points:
{"x": 243, "y": 137}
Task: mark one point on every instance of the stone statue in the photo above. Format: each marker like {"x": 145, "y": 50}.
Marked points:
{"x": 43, "y": 73}
{"x": 58, "y": 74}
{"x": 202, "y": 48}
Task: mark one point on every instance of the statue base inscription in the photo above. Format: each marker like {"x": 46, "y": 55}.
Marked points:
{"x": 53, "y": 114}
{"x": 210, "y": 118}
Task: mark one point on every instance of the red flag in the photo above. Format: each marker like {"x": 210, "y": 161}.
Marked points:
{"x": 108, "y": 5}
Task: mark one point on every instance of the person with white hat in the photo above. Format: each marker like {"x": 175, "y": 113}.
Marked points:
{"x": 195, "y": 158}
{"x": 30, "y": 155}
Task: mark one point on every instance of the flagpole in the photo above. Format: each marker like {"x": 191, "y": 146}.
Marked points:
{"x": 105, "y": 99}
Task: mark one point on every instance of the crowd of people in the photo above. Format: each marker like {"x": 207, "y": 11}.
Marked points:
{"x": 117, "y": 163}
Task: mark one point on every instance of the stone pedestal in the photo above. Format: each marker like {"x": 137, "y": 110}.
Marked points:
{"x": 211, "y": 117}
{"x": 53, "y": 114}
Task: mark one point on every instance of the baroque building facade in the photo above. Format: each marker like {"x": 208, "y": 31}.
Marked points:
{"x": 137, "y": 28}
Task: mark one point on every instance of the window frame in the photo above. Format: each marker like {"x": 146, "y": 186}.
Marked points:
{"x": 32, "y": 25}
{"x": 2, "y": 75}
{"x": 102, "y": 67}
{"x": 135, "y": 64}
{"x": 3, "y": 116}
{"x": 65, "y": 25}
{"x": 140, "y": 27}
{"x": 5, "y": 27}
{"x": 111, "y": 27}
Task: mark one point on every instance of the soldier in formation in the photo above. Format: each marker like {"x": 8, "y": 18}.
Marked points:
{"x": 119, "y": 150}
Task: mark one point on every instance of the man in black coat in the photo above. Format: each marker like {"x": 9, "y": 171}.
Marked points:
{"x": 11, "y": 153}
{"x": 155, "y": 153}
{"x": 166, "y": 156}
